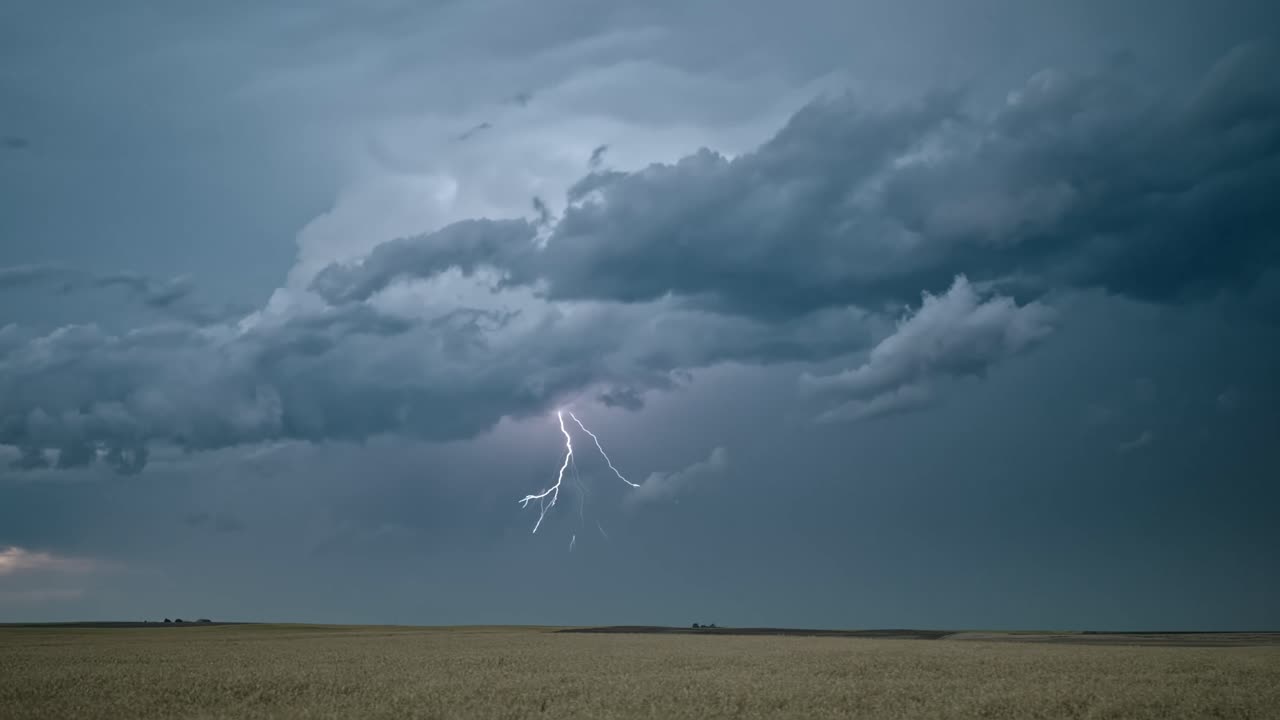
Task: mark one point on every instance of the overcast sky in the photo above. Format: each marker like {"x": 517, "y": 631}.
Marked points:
{"x": 891, "y": 314}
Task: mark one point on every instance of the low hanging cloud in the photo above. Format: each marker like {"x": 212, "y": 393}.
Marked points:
{"x": 660, "y": 487}
{"x": 787, "y": 254}
{"x": 15, "y": 560}
{"x": 956, "y": 334}
{"x": 35, "y": 577}
{"x": 353, "y": 372}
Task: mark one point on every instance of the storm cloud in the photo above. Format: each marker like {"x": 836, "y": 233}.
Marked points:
{"x": 352, "y": 372}
{"x": 952, "y": 335}
{"x": 981, "y": 301}
{"x": 1077, "y": 180}
{"x": 800, "y": 251}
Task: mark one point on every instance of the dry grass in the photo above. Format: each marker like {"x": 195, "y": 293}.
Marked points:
{"x": 370, "y": 672}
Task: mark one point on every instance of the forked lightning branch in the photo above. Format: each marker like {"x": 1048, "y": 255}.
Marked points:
{"x": 548, "y": 497}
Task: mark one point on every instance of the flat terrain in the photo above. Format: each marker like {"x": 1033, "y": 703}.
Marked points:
{"x": 307, "y": 671}
{"x": 1155, "y": 639}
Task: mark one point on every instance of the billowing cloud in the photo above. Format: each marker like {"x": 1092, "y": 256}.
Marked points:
{"x": 468, "y": 246}
{"x": 956, "y": 334}
{"x": 746, "y": 233}
{"x": 787, "y": 254}
{"x": 666, "y": 486}
{"x": 352, "y": 372}
{"x": 1089, "y": 180}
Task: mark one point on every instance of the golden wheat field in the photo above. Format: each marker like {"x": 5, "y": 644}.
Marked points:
{"x": 282, "y": 671}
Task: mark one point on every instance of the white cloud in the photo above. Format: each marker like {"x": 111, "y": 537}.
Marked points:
{"x": 15, "y": 560}
{"x": 666, "y": 486}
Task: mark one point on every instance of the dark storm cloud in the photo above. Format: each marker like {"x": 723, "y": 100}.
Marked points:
{"x": 76, "y": 454}
{"x": 953, "y": 335}
{"x": 624, "y": 397}
{"x": 752, "y": 234}
{"x": 1099, "y": 180}
{"x": 30, "y": 458}
{"x": 352, "y": 372}
{"x": 790, "y": 253}
{"x": 1092, "y": 180}
{"x": 81, "y": 389}
{"x": 469, "y": 245}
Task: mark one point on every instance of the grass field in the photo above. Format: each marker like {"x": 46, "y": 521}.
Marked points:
{"x": 301, "y": 671}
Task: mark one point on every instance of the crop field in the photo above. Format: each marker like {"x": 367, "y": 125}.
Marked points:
{"x": 303, "y": 671}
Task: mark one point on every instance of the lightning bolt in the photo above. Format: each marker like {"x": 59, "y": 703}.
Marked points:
{"x": 601, "y": 449}
{"x": 554, "y": 491}
{"x": 548, "y": 497}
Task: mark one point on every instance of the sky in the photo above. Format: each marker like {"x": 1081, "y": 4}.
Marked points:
{"x": 906, "y": 313}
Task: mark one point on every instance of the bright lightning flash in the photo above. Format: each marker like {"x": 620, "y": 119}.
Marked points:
{"x": 547, "y": 498}
{"x": 554, "y": 491}
{"x": 601, "y": 449}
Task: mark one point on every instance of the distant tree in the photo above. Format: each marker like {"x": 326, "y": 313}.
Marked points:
{"x": 711, "y": 625}
{"x": 695, "y": 625}
{"x": 178, "y": 620}
{"x": 168, "y": 620}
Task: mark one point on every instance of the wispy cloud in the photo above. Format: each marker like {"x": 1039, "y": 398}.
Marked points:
{"x": 1143, "y": 440}
{"x": 14, "y": 560}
